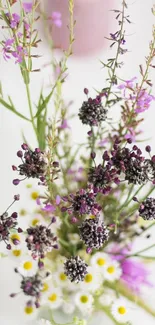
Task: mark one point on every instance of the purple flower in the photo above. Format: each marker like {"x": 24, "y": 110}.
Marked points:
{"x": 56, "y": 18}
{"x": 64, "y": 125}
{"x": 7, "y": 48}
{"x": 143, "y": 102}
{"x": 134, "y": 273}
{"x": 27, "y": 6}
{"x": 49, "y": 208}
{"x": 14, "y": 21}
{"x": 131, "y": 135}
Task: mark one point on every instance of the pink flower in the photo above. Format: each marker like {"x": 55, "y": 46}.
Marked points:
{"x": 7, "y": 48}
{"x": 56, "y": 18}
{"x": 27, "y": 6}
{"x": 134, "y": 273}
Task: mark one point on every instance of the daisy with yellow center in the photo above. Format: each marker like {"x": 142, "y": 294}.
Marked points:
{"x": 28, "y": 267}
{"x": 54, "y": 298}
{"x": 60, "y": 278}
{"x": 120, "y": 311}
{"x": 34, "y": 195}
{"x": 99, "y": 260}
{"x": 92, "y": 280}
{"x": 112, "y": 271}
{"x": 84, "y": 302}
{"x": 36, "y": 220}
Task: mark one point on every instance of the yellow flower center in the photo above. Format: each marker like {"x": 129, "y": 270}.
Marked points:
{"x": 92, "y": 217}
{"x": 63, "y": 277}
{"x": 15, "y": 236}
{"x": 88, "y": 278}
{"x": 34, "y": 222}
{"x": 22, "y": 212}
{"x": 34, "y": 195}
{"x": 111, "y": 269}
{"x": 28, "y": 310}
{"x": 122, "y": 310}
{"x": 45, "y": 287}
{"x": 16, "y": 252}
{"x": 101, "y": 261}
{"x": 84, "y": 299}
{"x": 28, "y": 265}
{"x": 53, "y": 297}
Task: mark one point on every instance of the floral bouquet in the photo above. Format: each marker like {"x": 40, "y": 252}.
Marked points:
{"x": 76, "y": 251}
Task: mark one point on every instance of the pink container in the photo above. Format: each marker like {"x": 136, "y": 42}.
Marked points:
{"x": 92, "y": 24}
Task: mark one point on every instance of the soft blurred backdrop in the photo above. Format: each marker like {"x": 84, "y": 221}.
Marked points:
{"x": 84, "y": 71}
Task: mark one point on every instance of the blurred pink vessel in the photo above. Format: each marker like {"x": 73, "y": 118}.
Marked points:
{"x": 92, "y": 24}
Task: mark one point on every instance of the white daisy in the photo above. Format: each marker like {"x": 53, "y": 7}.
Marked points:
{"x": 99, "y": 260}
{"x": 60, "y": 278}
{"x": 107, "y": 298}
{"x": 92, "y": 280}
{"x": 30, "y": 311}
{"x": 28, "y": 267}
{"x": 16, "y": 253}
{"x": 68, "y": 307}
{"x": 84, "y": 301}
{"x": 112, "y": 271}
{"x": 54, "y": 298}
{"x": 120, "y": 311}
{"x": 36, "y": 220}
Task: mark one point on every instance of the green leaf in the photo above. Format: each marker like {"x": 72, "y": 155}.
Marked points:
{"x": 12, "y": 108}
{"x": 41, "y": 130}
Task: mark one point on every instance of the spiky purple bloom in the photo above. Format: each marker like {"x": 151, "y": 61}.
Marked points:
{"x": 32, "y": 286}
{"x": 7, "y": 223}
{"x": 33, "y": 163}
{"x": 93, "y": 233}
{"x": 40, "y": 240}
{"x": 92, "y": 112}
{"x": 147, "y": 209}
{"x": 82, "y": 202}
{"x": 75, "y": 269}
{"x": 100, "y": 177}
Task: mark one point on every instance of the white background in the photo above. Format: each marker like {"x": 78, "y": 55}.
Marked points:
{"x": 84, "y": 72}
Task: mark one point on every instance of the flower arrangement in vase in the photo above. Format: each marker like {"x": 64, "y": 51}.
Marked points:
{"x": 76, "y": 252}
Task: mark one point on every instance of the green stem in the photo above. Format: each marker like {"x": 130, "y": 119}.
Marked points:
{"x": 30, "y": 108}
{"x": 141, "y": 251}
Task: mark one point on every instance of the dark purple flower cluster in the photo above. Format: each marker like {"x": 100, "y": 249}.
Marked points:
{"x": 82, "y": 202}
{"x": 92, "y": 112}
{"x": 75, "y": 269}
{"x": 32, "y": 287}
{"x": 33, "y": 164}
{"x": 8, "y": 224}
{"x": 93, "y": 233}
{"x": 122, "y": 164}
{"x": 147, "y": 209}
{"x": 40, "y": 240}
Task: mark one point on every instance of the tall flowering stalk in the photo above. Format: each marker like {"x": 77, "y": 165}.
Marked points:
{"x": 76, "y": 251}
